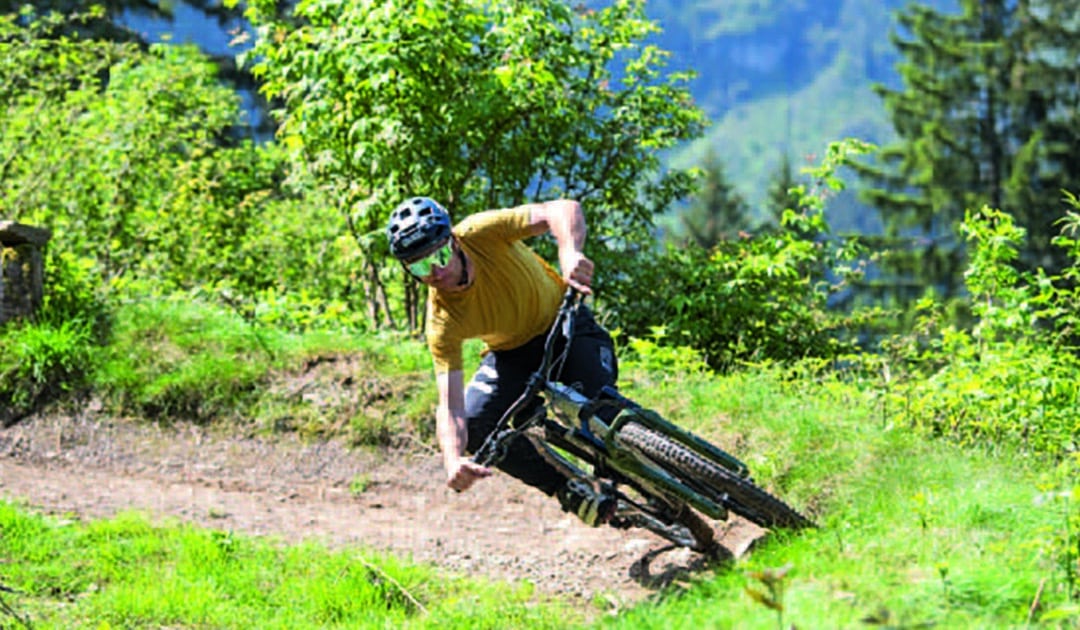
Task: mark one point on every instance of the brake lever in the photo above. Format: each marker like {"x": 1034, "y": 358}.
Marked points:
{"x": 496, "y": 449}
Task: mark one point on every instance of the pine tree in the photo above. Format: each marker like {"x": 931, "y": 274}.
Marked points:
{"x": 988, "y": 114}
{"x": 1045, "y": 105}
{"x": 779, "y": 197}
{"x": 718, "y": 212}
{"x": 949, "y": 156}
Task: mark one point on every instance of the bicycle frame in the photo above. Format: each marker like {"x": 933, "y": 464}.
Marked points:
{"x": 583, "y": 432}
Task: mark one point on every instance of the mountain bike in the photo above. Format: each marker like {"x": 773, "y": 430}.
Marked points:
{"x": 664, "y": 478}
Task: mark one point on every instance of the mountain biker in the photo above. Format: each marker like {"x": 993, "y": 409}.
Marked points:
{"x": 486, "y": 283}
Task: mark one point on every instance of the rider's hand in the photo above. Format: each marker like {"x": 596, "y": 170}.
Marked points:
{"x": 577, "y": 271}
{"x": 463, "y": 473}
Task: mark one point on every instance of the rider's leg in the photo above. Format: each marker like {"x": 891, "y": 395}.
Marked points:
{"x": 592, "y": 501}
{"x": 593, "y": 504}
{"x": 496, "y": 385}
{"x": 591, "y": 363}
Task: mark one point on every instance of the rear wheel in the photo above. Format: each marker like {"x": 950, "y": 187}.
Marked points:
{"x": 738, "y": 494}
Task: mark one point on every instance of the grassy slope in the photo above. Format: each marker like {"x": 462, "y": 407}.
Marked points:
{"x": 912, "y": 531}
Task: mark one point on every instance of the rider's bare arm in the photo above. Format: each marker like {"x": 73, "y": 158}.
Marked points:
{"x": 453, "y": 433}
{"x": 564, "y": 219}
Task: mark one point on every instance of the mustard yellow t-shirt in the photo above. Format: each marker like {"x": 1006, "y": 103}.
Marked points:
{"x": 513, "y": 298}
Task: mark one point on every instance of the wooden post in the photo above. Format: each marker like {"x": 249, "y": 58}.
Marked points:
{"x": 21, "y": 269}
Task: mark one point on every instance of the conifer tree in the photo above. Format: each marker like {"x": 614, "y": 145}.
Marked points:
{"x": 779, "y": 197}
{"x": 718, "y": 212}
{"x": 987, "y": 115}
{"x": 1044, "y": 83}
{"x": 948, "y": 156}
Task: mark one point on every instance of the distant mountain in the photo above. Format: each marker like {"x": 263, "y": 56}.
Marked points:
{"x": 782, "y": 76}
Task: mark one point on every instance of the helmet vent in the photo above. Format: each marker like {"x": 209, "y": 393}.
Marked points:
{"x": 416, "y": 226}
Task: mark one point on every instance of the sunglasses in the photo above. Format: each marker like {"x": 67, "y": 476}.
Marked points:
{"x": 438, "y": 258}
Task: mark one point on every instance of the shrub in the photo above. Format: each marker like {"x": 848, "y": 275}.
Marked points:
{"x": 760, "y": 297}
{"x": 39, "y": 362}
{"x": 1010, "y": 378}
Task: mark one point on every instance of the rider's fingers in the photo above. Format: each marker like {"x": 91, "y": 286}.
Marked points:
{"x": 466, "y": 476}
{"x": 460, "y": 484}
{"x": 477, "y": 470}
{"x": 459, "y": 481}
{"x": 582, "y": 288}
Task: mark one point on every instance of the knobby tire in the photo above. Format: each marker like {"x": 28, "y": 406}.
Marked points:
{"x": 742, "y": 496}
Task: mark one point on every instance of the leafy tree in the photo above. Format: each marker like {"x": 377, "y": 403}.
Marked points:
{"x": 96, "y": 20}
{"x": 760, "y": 298}
{"x": 480, "y": 104}
{"x": 125, "y": 155}
{"x": 41, "y": 63}
{"x": 99, "y": 164}
{"x": 718, "y": 212}
{"x": 107, "y": 20}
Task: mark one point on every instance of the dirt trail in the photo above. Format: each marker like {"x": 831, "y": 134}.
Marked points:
{"x": 93, "y": 467}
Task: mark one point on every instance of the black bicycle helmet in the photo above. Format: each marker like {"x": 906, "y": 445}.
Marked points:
{"x": 416, "y": 227}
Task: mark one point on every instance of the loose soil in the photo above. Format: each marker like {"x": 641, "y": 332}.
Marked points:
{"x": 91, "y": 466}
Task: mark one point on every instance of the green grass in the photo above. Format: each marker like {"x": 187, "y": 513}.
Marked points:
{"x": 182, "y": 360}
{"x": 913, "y": 533}
{"x": 924, "y": 537}
{"x": 38, "y": 361}
{"x": 128, "y": 573}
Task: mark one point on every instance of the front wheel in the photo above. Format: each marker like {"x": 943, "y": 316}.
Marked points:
{"x": 738, "y": 494}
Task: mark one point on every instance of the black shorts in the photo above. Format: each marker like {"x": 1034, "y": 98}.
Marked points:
{"x": 499, "y": 381}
